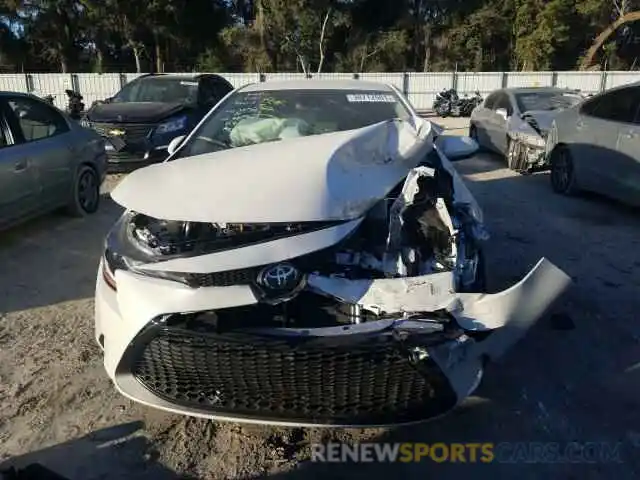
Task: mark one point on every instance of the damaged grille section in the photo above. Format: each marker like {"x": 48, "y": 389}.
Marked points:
{"x": 351, "y": 380}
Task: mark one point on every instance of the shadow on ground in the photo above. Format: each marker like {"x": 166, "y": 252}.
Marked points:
{"x": 117, "y": 452}
{"x": 53, "y": 258}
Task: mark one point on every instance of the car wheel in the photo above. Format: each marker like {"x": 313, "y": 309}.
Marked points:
{"x": 86, "y": 193}
{"x": 562, "y": 175}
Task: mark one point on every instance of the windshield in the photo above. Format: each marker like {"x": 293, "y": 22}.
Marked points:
{"x": 158, "y": 89}
{"x": 546, "y": 100}
{"x": 247, "y": 118}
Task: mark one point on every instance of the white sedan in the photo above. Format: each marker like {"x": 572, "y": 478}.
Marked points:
{"x": 308, "y": 255}
{"x": 515, "y": 122}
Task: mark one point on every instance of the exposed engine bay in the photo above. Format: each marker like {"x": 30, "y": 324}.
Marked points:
{"x": 416, "y": 229}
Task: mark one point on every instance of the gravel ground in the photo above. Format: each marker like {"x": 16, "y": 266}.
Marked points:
{"x": 575, "y": 377}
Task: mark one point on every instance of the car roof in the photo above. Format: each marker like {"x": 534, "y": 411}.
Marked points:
{"x": 312, "y": 84}
{"x": 173, "y": 76}
{"x": 537, "y": 89}
{"x": 18, "y": 94}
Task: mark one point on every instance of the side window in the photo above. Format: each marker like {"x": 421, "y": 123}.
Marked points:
{"x": 589, "y": 106}
{"x": 617, "y": 106}
{"x": 491, "y": 99}
{"x": 211, "y": 91}
{"x": 503, "y": 102}
{"x": 37, "y": 120}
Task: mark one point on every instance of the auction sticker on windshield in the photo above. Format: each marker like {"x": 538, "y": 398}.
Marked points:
{"x": 354, "y": 98}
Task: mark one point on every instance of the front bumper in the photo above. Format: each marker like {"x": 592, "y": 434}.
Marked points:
{"x": 385, "y": 372}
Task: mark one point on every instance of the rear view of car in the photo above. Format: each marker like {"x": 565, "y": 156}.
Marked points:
{"x": 141, "y": 119}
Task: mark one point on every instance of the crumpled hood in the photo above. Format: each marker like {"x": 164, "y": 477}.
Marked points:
{"x": 133, "y": 112}
{"x": 334, "y": 176}
{"x": 544, "y": 118}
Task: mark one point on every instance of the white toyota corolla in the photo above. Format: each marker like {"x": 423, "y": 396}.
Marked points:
{"x": 306, "y": 256}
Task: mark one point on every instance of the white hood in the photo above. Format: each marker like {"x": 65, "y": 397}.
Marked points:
{"x": 334, "y": 176}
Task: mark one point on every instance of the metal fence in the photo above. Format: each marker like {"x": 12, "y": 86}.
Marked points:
{"x": 421, "y": 88}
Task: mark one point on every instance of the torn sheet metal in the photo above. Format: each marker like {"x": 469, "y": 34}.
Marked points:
{"x": 334, "y": 176}
{"x": 516, "y": 306}
{"x": 426, "y": 293}
{"x": 395, "y": 261}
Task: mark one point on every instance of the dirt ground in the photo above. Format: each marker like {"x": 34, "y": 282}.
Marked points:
{"x": 575, "y": 377}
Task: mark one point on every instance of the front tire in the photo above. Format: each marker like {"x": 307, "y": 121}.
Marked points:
{"x": 85, "y": 198}
{"x": 563, "y": 178}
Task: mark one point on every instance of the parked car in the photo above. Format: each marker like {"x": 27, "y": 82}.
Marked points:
{"x": 47, "y": 160}
{"x": 308, "y": 255}
{"x": 140, "y": 119}
{"x": 595, "y": 146}
{"x": 514, "y": 122}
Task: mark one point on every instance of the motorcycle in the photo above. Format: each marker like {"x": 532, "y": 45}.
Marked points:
{"x": 449, "y": 104}
{"x": 75, "y": 106}
{"x": 446, "y": 103}
{"x": 469, "y": 103}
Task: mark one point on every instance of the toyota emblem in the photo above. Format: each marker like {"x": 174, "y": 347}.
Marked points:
{"x": 282, "y": 276}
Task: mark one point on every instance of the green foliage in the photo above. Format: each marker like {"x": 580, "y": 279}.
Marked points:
{"x": 310, "y": 35}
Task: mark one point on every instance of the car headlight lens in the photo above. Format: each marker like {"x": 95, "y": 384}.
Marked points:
{"x": 531, "y": 140}
{"x": 172, "y": 125}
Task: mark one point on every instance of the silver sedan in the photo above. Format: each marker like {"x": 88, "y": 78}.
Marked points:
{"x": 47, "y": 161}
{"x": 595, "y": 146}
{"x": 514, "y": 122}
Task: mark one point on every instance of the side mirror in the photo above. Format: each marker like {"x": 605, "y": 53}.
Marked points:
{"x": 455, "y": 147}
{"x": 502, "y": 112}
{"x": 174, "y": 144}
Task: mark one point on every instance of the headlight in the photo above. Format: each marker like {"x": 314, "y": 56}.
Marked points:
{"x": 138, "y": 239}
{"x": 532, "y": 140}
{"x": 172, "y": 125}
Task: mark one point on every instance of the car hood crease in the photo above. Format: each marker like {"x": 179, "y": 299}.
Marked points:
{"x": 334, "y": 176}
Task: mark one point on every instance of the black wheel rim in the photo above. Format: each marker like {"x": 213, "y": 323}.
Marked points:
{"x": 561, "y": 171}
{"x": 88, "y": 191}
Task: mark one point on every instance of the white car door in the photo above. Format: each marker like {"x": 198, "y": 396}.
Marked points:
{"x": 606, "y": 143}
{"x": 627, "y": 173}
{"x": 480, "y": 118}
{"x": 501, "y": 111}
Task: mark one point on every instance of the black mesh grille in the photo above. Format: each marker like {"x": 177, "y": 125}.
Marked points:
{"x": 354, "y": 379}
{"x": 223, "y": 279}
{"x": 132, "y": 131}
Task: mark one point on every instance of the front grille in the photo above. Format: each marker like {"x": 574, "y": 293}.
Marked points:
{"x": 345, "y": 380}
{"x": 227, "y": 278}
{"x": 133, "y": 131}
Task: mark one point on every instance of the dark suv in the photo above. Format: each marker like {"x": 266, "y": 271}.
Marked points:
{"x": 141, "y": 119}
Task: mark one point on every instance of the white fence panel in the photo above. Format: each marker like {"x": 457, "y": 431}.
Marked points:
{"x": 271, "y": 77}
{"x": 13, "y": 82}
{"x": 423, "y": 87}
{"x": 240, "y": 79}
{"x": 396, "y": 79}
{"x": 132, "y": 76}
{"x": 588, "y": 82}
{"x": 529, "y": 79}
{"x": 98, "y": 86}
{"x": 52, "y": 84}
{"x": 483, "y": 82}
{"x": 333, "y": 76}
{"x": 615, "y": 79}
